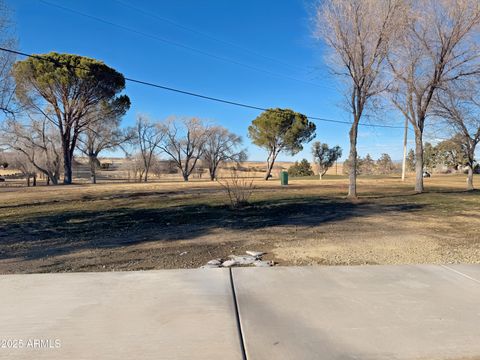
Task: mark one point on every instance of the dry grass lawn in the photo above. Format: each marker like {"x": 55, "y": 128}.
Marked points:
{"x": 176, "y": 225}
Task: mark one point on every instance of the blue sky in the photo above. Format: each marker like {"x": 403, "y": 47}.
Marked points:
{"x": 257, "y": 52}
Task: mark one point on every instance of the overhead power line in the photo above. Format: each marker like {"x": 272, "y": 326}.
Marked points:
{"x": 190, "y": 93}
{"x": 179, "y": 45}
{"x": 208, "y": 36}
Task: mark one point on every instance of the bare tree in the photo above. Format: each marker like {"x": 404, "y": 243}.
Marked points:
{"x": 184, "y": 142}
{"x": 221, "y": 145}
{"x": 38, "y": 143}
{"x": 360, "y": 33}
{"x": 8, "y": 41}
{"x": 149, "y": 136}
{"x": 134, "y": 166}
{"x": 20, "y": 161}
{"x": 437, "y": 47}
{"x": 461, "y": 109}
{"x": 103, "y": 133}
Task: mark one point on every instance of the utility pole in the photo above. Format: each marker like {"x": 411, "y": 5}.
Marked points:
{"x": 404, "y": 162}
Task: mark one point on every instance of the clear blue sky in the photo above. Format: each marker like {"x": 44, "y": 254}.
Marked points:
{"x": 246, "y": 33}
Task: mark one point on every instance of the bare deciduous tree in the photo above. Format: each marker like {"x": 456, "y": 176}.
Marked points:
{"x": 8, "y": 41}
{"x": 222, "y": 145}
{"x": 360, "y": 33}
{"x": 436, "y": 47}
{"x": 184, "y": 142}
{"x": 19, "y": 161}
{"x": 149, "y": 136}
{"x": 103, "y": 133}
{"x": 38, "y": 143}
{"x": 461, "y": 109}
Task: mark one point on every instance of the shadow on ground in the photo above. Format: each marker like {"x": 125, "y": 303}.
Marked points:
{"x": 70, "y": 231}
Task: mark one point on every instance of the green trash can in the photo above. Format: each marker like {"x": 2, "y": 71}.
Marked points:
{"x": 284, "y": 178}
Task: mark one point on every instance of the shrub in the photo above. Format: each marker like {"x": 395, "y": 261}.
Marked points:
{"x": 238, "y": 189}
{"x": 302, "y": 168}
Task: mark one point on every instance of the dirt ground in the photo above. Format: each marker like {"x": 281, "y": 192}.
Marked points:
{"x": 108, "y": 227}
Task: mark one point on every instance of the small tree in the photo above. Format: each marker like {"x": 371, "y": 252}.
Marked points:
{"x": 221, "y": 146}
{"x": 302, "y": 168}
{"x": 385, "y": 164}
{"x": 22, "y": 163}
{"x": 325, "y": 157}
{"x": 367, "y": 165}
{"x": 411, "y": 160}
{"x": 461, "y": 109}
{"x": 37, "y": 143}
{"x": 347, "y": 166}
{"x": 278, "y": 130}
{"x": 184, "y": 142}
{"x": 148, "y": 136}
{"x": 450, "y": 153}
{"x": 102, "y": 134}
{"x": 429, "y": 157}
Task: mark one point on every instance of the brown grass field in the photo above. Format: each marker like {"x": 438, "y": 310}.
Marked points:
{"x": 159, "y": 225}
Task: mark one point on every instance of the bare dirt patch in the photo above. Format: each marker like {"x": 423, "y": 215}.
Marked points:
{"x": 176, "y": 225}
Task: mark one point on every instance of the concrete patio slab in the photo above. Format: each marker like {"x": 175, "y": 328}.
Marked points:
{"x": 362, "y": 312}
{"x": 179, "y": 314}
{"x": 467, "y": 270}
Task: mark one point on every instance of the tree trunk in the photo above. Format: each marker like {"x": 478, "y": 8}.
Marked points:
{"x": 34, "y": 179}
{"x": 93, "y": 170}
{"x": 352, "y": 187}
{"x": 404, "y": 160}
{"x": 212, "y": 170}
{"x": 185, "y": 176}
{"x": 53, "y": 179}
{"x": 145, "y": 179}
{"x": 269, "y": 168}
{"x": 418, "y": 162}
{"x": 470, "y": 178}
{"x": 48, "y": 180}
{"x": 28, "y": 180}
{"x": 67, "y": 167}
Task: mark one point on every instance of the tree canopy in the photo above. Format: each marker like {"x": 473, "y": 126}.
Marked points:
{"x": 278, "y": 130}
{"x": 325, "y": 156}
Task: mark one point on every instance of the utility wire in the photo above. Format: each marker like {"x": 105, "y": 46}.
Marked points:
{"x": 184, "y": 92}
{"x": 208, "y": 36}
{"x": 177, "y": 44}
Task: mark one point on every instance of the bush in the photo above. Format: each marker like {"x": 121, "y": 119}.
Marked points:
{"x": 302, "y": 168}
{"x": 238, "y": 189}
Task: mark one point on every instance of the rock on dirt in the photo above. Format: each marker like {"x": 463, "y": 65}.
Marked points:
{"x": 217, "y": 262}
{"x": 229, "y": 263}
{"x": 243, "y": 259}
{"x": 255, "y": 253}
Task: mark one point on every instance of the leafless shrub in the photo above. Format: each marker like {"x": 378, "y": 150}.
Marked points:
{"x": 238, "y": 189}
